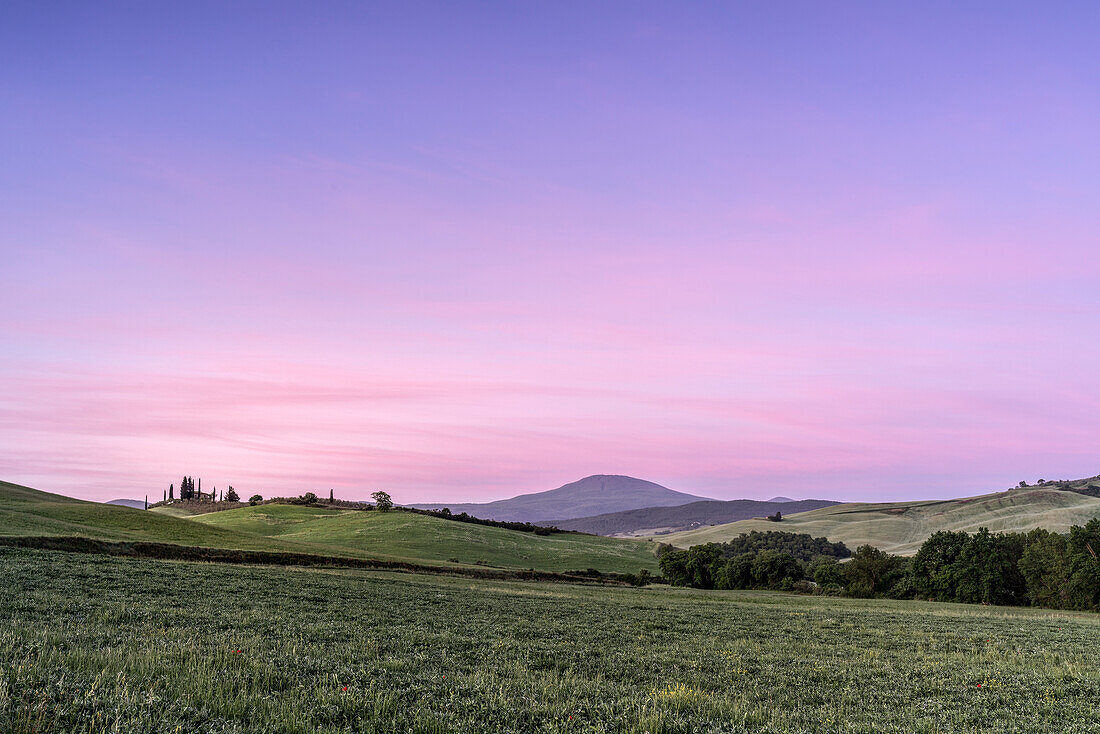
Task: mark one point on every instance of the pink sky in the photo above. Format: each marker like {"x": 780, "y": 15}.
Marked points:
{"x": 464, "y": 256}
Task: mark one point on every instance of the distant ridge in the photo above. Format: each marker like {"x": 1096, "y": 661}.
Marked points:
{"x": 136, "y": 504}
{"x": 594, "y": 495}
{"x": 658, "y": 520}
{"x": 901, "y": 527}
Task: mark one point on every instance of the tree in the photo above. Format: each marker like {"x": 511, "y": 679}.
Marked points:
{"x": 232, "y": 495}
{"x": 773, "y": 569}
{"x": 674, "y": 567}
{"x": 872, "y": 571}
{"x": 935, "y": 567}
{"x": 826, "y": 571}
{"x": 735, "y": 573}
{"x": 255, "y": 500}
{"x": 988, "y": 569}
{"x": 308, "y": 498}
{"x": 702, "y": 564}
{"x": 382, "y": 501}
{"x": 331, "y": 497}
{"x": 1046, "y": 569}
{"x": 1083, "y": 546}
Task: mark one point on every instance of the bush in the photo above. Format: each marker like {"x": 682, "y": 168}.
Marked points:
{"x": 255, "y": 500}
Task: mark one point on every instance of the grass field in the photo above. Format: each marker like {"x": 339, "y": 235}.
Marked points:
{"x": 423, "y": 539}
{"x": 322, "y": 531}
{"x": 900, "y": 527}
{"x": 90, "y": 644}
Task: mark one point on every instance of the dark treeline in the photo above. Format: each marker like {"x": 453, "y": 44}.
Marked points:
{"x": 800, "y": 545}
{"x": 756, "y": 560}
{"x": 1039, "y": 568}
{"x": 523, "y": 527}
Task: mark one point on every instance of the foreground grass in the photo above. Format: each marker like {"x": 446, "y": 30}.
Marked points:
{"x": 91, "y": 644}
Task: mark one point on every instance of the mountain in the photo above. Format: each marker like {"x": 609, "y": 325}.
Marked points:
{"x": 660, "y": 520}
{"x": 901, "y": 527}
{"x": 136, "y": 504}
{"x": 781, "y": 498}
{"x": 598, "y": 494}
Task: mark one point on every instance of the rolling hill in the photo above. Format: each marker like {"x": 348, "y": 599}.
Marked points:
{"x": 658, "y": 520}
{"x": 321, "y": 531}
{"x": 424, "y": 539}
{"x": 594, "y": 495}
{"x": 900, "y": 527}
{"x": 26, "y": 511}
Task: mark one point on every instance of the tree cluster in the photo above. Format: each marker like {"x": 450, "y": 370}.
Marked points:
{"x": 1039, "y": 568}
{"x": 756, "y": 560}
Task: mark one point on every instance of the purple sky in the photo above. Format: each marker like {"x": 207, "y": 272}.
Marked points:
{"x": 467, "y": 250}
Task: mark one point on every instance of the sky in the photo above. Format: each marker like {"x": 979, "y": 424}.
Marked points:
{"x": 461, "y": 251}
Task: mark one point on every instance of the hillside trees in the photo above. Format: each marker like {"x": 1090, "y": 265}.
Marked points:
{"x": 1045, "y": 568}
{"x": 382, "y": 501}
{"x": 232, "y": 495}
{"x": 1083, "y": 559}
{"x": 873, "y": 572}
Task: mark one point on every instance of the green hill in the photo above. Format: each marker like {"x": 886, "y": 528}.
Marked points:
{"x": 26, "y": 511}
{"x": 900, "y": 527}
{"x": 321, "y": 531}
{"x": 425, "y": 539}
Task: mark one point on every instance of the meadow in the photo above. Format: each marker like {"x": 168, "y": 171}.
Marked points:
{"x": 92, "y": 643}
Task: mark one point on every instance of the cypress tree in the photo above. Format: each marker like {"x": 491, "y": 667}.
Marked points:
{"x": 330, "y": 498}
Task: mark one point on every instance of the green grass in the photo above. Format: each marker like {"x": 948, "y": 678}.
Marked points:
{"x": 901, "y": 527}
{"x": 424, "y": 539}
{"x": 90, "y": 644}
{"x": 321, "y": 531}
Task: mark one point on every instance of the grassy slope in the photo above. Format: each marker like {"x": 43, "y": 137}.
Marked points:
{"x": 424, "y": 539}
{"x": 172, "y": 511}
{"x": 156, "y": 646}
{"x": 321, "y": 531}
{"x": 900, "y": 527}
{"x": 26, "y": 511}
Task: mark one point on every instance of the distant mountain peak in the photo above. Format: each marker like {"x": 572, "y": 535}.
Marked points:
{"x": 780, "y": 498}
{"x": 592, "y": 495}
